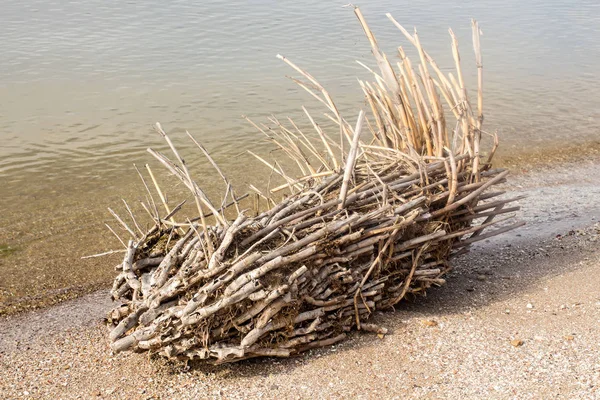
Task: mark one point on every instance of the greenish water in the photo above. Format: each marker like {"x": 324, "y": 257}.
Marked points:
{"x": 6, "y": 250}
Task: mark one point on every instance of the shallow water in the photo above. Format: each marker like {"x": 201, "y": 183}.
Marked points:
{"x": 81, "y": 82}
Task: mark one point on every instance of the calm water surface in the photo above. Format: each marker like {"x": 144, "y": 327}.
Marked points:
{"x": 81, "y": 82}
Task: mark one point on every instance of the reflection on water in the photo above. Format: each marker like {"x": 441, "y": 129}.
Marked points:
{"x": 81, "y": 83}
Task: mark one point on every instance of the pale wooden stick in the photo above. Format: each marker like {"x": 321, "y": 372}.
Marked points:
{"x": 328, "y": 101}
{"x": 479, "y": 61}
{"x": 219, "y": 171}
{"x": 117, "y": 236}
{"x": 127, "y": 228}
{"x": 303, "y": 179}
{"x": 160, "y": 193}
{"x": 106, "y": 253}
{"x": 351, "y": 159}
{"x": 133, "y": 218}
{"x": 274, "y": 169}
{"x": 147, "y": 190}
{"x": 323, "y": 139}
{"x": 454, "y": 177}
{"x": 408, "y": 279}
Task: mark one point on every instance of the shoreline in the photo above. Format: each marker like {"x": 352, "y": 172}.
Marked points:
{"x": 566, "y": 163}
{"x": 520, "y": 160}
{"x": 543, "y": 218}
{"x": 517, "y": 317}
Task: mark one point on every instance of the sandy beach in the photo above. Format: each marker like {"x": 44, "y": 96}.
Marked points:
{"x": 518, "y": 318}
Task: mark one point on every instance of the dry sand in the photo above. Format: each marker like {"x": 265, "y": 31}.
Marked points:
{"x": 519, "y": 318}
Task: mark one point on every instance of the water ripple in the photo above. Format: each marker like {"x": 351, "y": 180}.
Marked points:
{"x": 82, "y": 82}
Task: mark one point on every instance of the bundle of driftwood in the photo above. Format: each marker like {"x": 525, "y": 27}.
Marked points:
{"x": 373, "y": 217}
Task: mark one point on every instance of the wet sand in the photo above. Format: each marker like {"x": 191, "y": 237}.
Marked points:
{"x": 518, "y": 318}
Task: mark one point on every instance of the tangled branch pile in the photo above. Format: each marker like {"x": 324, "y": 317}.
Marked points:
{"x": 374, "y": 217}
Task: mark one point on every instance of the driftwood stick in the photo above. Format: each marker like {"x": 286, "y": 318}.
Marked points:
{"x": 133, "y": 218}
{"x": 115, "y": 234}
{"x": 369, "y": 271}
{"x": 160, "y": 193}
{"x": 488, "y": 235}
{"x": 351, "y": 159}
{"x": 123, "y": 224}
{"x": 106, "y": 253}
{"x": 219, "y": 253}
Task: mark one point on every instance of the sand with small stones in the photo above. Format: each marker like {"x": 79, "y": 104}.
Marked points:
{"x": 519, "y": 318}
